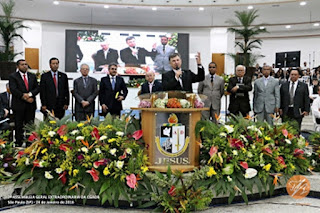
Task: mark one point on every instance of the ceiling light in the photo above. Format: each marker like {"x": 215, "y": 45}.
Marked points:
{"x": 261, "y": 28}
{"x": 154, "y": 8}
{"x": 288, "y": 26}
{"x": 250, "y": 7}
{"x": 201, "y": 8}
{"x": 316, "y": 24}
{"x": 303, "y": 3}
{"x": 106, "y": 6}
{"x": 56, "y": 2}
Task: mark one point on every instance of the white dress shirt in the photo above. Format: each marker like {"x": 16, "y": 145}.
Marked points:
{"x": 316, "y": 107}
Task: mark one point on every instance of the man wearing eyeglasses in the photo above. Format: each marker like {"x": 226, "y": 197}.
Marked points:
{"x": 113, "y": 91}
{"x": 213, "y": 88}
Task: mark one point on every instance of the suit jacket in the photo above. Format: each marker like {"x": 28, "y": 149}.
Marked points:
{"x": 48, "y": 91}
{"x": 107, "y": 95}
{"x": 100, "y": 58}
{"x": 161, "y": 61}
{"x": 127, "y": 57}
{"x": 267, "y": 97}
{"x": 239, "y": 101}
{"x": 301, "y": 101}
{"x": 213, "y": 93}
{"x": 4, "y": 100}
{"x": 18, "y": 87}
{"x": 82, "y": 93}
{"x": 156, "y": 87}
{"x": 169, "y": 81}
{"x": 1, "y": 110}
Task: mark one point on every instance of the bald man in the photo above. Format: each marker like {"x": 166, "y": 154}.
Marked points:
{"x": 151, "y": 85}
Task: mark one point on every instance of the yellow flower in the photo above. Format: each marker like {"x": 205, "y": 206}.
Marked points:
{"x": 44, "y": 150}
{"x": 292, "y": 166}
{"x": 75, "y": 172}
{"x": 211, "y": 172}
{"x": 244, "y": 150}
{"x": 112, "y": 140}
{"x": 267, "y": 167}
{"x": 201, "y": 130}
{"x": 106, "y": 171}
{"x": 53, "y": 122}
{"x": 144, "y": 169}
{"x": 64, "y": 138}
{"x": 267, "y": 138}
{"x": 80, "y": 124}
{"x": 109, "y": 126}
{"x": 261, "y": 128}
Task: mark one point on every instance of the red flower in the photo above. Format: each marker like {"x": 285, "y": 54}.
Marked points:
{"x": 64, "y": 147}
{"x": 20, "y": 153}
{"x": 132, "y": 181}
{"x": 95, "y": 133}
{"x": 281, "y": 161}
{"x": 63, "y": 177}
{"x": 36, "y": 163}
{"x": 123, "y": 156}
{"x": 62, "y": 130}
{"x": 268, "y": 150}
{"x": 171, "y": 191}
{"x": 94, "y": 173}
{"x": 236, "y": 143}
{"x": 33, "y": 137}
{"x": 80, "y": 157}
{"x": 100, "y": 163}
{"x": 244, "y": 165}
{"x": 137, "y": 134}
{"x": 298, "y": 152}
{"x": 213, "y": 150}
{"x": 285, "y": 132}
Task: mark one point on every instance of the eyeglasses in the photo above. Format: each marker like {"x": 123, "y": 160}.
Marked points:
{"x": 113, "y": 68}
{"x": 212, "y": 67}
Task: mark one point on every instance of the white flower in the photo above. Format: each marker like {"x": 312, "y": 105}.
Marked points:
{"x": 14, "y": 164}
{"x": 229, "y": 178}
{"x": 223, "y": 134}
{"x": 80, "y": 138}
{"x": 259, "y": 132}
{"x": 288, "y": 141}
{"x": 185, "y": 104}
{"x": 98, "y": 151}
{"x": 313, "y": 162}
{"x": 3, "y": 145}
{"x": 103, "y": 137}
{"x": 41, "y": 164}
{"x": 129, "y": 151}
{"x": 84, "y": 149}
{"x": 228, "y": 128}
{"x": 120, "y": 134}
{"x": 113, "y": 151}
{"x": 249, "y": 154}
{"x": 119, "y": 164}
{"x": 253, "y": 146}
{"x": 250, "y": 173}
{"x": 262, "y": 164}
{"x": 74, "y": 132}
{"x": 51, "y": 133}
{"x": 301, "y": 141}
{"x": 27, "y": 162}
{"x": 59, "y": 170}
{"x": 243, "y": 138}
{"x": 1, "y": 156}
{"x": 235, "y": 152}
{"x": 48, "y": 175}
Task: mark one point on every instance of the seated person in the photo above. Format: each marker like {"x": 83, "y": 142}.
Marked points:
{"x": 313, "y": 89}
{"x": 3, "y": 115}
{"x": 151, "y": 85}
{"x": 316, "y": 107}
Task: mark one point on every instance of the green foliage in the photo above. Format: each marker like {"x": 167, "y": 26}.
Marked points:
{"x": 173, "y": 41}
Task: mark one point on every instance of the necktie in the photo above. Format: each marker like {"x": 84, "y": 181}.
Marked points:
{"x": 211, "y": 80}
{"x": 55, "y": 83}
{"x": 113, "y": 83}
{"x": 26, "y": 82}
{"x": 85, "y": 82}
{"x": 239, "y": 80}
{"x": 106, "y": 55}
{"x": 150, "y": 88}
{"x": 291, "y": 93}
{"x": 164, "y": 48}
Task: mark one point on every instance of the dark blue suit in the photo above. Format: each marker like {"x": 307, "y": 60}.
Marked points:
{"x": 156, "y": 87}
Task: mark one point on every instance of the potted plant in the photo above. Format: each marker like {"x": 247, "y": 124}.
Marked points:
{"x": 8, "y": 32}
{"x": 247, "y": 32}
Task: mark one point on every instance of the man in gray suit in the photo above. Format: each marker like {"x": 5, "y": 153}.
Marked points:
{"x": 84, "y": 91}
{"x": 213, "y": 87}
{"x": 161, "y": 60}
{"x": 266, "y": 96}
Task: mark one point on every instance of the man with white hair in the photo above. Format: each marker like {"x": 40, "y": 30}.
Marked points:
{"x": 105, "y": 56}
{"x": 151, "y": 85}
{"x": 239, "y": 87}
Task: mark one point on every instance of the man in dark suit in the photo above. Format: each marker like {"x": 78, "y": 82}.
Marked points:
{"x": 239, "y": 87}
{"x": 178, "y": 79}
{"x": 151, "y": 85}
{"x": 295, "y": 102}
{"x": 113, "y": 91}
{"x": 24, "y": 88}
{"x": 54, "y": 90}
{"x": 133, "y": 55}
{"x": 3, "y": 115}
{"x": 6, "y": 98}
{"x": 85, "y": 92}
{"x": 105, "y": 56}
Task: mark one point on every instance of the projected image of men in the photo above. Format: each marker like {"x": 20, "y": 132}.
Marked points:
{"x": 161, "y": 61}
{"x": 105, "y": 56}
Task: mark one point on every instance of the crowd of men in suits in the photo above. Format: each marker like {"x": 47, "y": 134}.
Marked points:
{"x": 291, "y": 100}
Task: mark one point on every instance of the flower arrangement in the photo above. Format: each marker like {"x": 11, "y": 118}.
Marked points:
{"x": 68, "y": 157}
{"x": 136, "y": 82}
{"x": 226, "y": 79}
{"x": 144, "y": 104}
{"x": 314, "y": 153}
{"x": 7, "y": 160}
{"x": 172, "y": 103}
{"x": 90, "y": 36}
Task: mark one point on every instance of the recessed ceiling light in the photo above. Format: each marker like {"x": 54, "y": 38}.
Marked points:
{"x": 106, "y": 6}
{"x": 261, "y": 28}
{"x": 201, "y": 8}
{"x": 154, "y": 8}
{"x": 316, "y": 24}
{"x": 303, "y": 3}
{"x": 288, "y": 26}
{"x": 56, "y": 2}
{"x": 250, "y": 7}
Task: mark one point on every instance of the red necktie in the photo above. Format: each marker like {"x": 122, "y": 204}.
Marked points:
{"x": 26, "y": 82}
{"x": 55, "y": 80}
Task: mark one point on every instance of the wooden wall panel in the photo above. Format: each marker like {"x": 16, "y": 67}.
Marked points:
{"x": 32, "y": 57}
{"x": 219, "y": 58}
